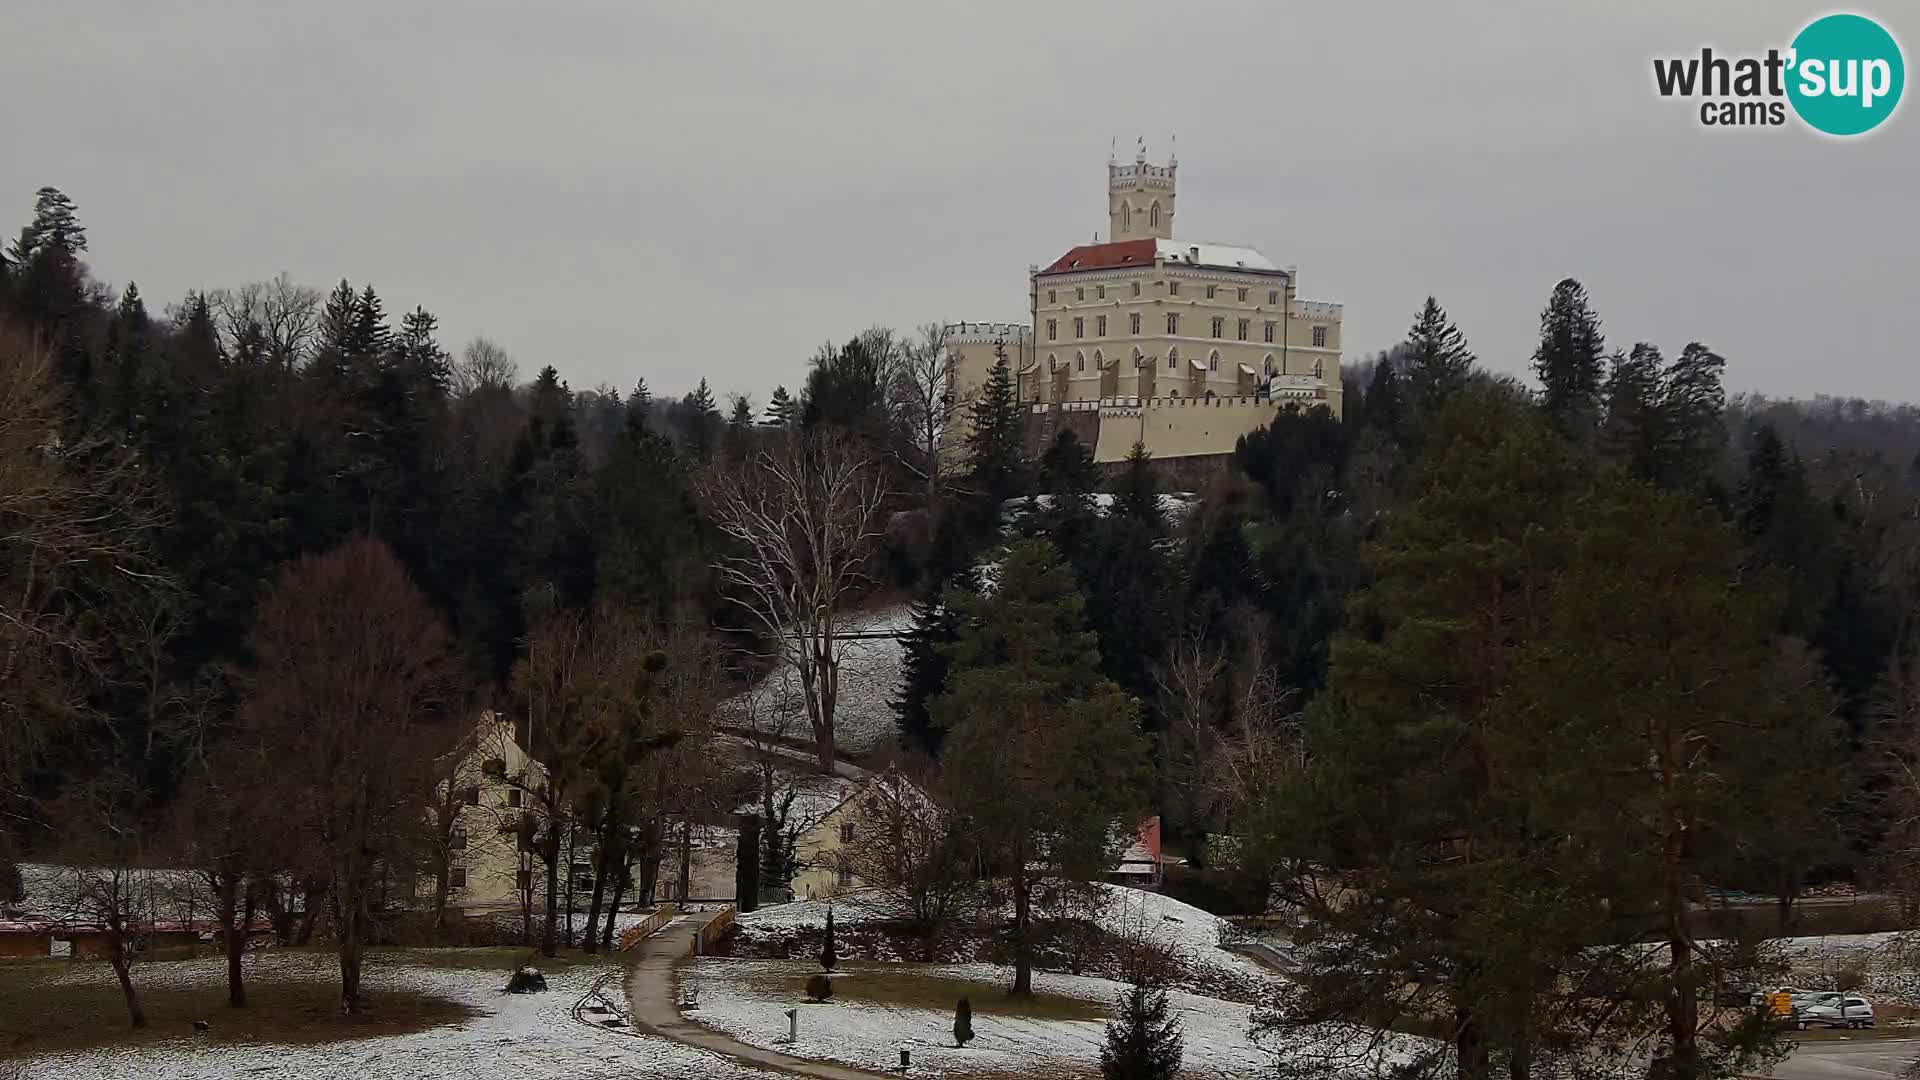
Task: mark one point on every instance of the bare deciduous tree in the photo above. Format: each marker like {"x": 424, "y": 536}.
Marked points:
{"x": 285, "y": 315}
{"x": 903, "y": 843}
{"x": 484, "y": 365}
{"x": 354, "y": 680}
{"x": 802, "y": 520}
{"x": 1192, "y": 689}
{"x": 926, "y": 402}
{"x": 105, "y": 886}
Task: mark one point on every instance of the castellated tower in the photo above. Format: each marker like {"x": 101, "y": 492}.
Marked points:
{"x": 1140, "y": 199}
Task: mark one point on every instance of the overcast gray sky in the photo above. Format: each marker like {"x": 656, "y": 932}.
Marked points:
{"x": 624, "y": 189}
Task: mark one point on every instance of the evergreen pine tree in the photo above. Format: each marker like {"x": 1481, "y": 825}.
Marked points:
{"x": 1438, "y": 360}
{"x": 782, "y": 409}
{"x": 1144, "y": 1041}
{"x": 1139, "y": 496}
{"x": 933, "y": 628}
{"x": 55, "y": 228}
{"x": 703, "y": 423}
{"x": 1692, "y": 404}
{"x": 1568, "y": 361}
{"x": 640, "y": 401}
{"x": 1067, "y": 478}
{"x": 1042, "y": 754}
{"x": 1386, "y": 408}
{"x": 996, "y": 443}
{"x": 1633, "y": 428}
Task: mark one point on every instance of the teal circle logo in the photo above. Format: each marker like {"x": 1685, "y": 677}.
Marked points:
{"x": 1845, "y": 74}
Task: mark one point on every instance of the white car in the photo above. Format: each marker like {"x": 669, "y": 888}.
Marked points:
{"x": 1836, "y": 1011}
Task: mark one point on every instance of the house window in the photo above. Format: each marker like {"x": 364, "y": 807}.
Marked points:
{"x": 1080, "y": 293}
{"x": 845, "y": 876}
{"x": 523, "y": 880}
{"x": 471, "y": 796}
{"x": 1173, "y": 288}
{"x": 1242, "y": 295}
{"x": 846, "y": 831}
{"x": 1134, "y": 321}
{"x": 1173, "y": 322}
{"x": 494, "y": 768}
{"x": 1219, "y": 325}
{"x": 457, "y": 838}
{"x": 1100, "y": 293}
{"x": 1269, "y": 332}
{"x": 513, "y": 796}
{"x": 1050, "y": 296}
{"x": 457, "y": 877}
{"x": 1210, "y": 291}
{"x": 1100, "y": 326}
{"x": 1243, "y": 329}
{"x": 1273, "y": 296}
{"x": 1079, "y": 327}
{"x": 1319, "y": 337}
{"x": 1053, "y": 329}
{"x": 1136, "y": 288}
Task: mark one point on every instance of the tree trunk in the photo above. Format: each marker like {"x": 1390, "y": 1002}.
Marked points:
{"x": 311, "y": 893}
{"x": 1470, "y": 1047}
{"x": 1022, "y": 913}
{"x": 233, "y": 936}
{"x": 621, "y": 877}
{"x": 650, "y": 860}
{"x": 592, "y": 943}
{"x": 1683, "y": 1003}
{"x": 117, "y": 954}
{"x": 551, "y": 849}
{"x": 686, "y": 861}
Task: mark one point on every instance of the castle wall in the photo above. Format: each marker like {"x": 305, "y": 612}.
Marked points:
{"x": 1182, "y": 427}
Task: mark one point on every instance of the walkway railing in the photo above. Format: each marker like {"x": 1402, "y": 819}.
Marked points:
{"x": 711, "y": 933}
{"x": 635, "y": 934}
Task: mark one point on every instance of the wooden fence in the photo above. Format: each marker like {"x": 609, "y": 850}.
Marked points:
{"x": 635, "y": 934}
{"x": 711, "y": 933}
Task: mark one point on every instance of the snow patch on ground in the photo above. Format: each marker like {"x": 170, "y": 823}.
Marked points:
{"x": 1219, "y": 1039}
{"x": 870, "y": 670}
{"x": 517, "y": 1037}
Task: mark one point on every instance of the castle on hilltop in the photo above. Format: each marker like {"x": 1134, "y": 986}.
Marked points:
{"x": 1179, "y": 345}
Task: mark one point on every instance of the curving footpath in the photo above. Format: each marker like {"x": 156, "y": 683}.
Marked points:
{"x": 653, "y": 1008}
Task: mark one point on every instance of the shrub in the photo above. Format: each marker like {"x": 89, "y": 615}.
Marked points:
{"x": 962, "y": 1022}
{"x": 829, "y": 953}
{"x": 1849, "y": 978}
{"x": 819, "y": 988}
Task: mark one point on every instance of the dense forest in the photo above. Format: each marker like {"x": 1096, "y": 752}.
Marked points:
{"x": 1415, "y": 627}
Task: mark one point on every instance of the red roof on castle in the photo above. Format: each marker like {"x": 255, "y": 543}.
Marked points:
{"x": 1105, "y": 256}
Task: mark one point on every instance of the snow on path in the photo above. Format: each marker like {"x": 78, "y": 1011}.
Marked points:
{"x": 517, "y": 1037}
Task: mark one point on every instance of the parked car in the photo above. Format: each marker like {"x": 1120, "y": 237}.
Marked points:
{"x": 1835, "y": 1011}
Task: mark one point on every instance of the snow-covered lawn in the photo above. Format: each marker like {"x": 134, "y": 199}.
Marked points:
{"x": 513, "y": 1037}
{"x": 741, "y": 998}
{"x": 863, "y": 717}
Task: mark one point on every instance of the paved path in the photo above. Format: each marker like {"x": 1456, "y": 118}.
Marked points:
{"x": 651, "y": 999}
{"x": 1859, "y": 1058}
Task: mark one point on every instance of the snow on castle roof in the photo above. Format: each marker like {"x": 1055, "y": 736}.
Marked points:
{"x": 1122, "y": 253}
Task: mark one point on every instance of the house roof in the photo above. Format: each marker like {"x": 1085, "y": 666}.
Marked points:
{"x": 1125, "y": 253}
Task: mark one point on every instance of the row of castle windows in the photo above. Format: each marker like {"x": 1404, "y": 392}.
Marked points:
{"x": 1173, "y": 327}
{"x": 1173, "y": 289}
{"x": 1173, "y": 363}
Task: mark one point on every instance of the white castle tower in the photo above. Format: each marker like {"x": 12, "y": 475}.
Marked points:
{"x": 1140, "y": 198}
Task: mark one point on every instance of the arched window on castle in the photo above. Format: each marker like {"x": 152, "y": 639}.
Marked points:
{"x": 1213, "y": 362}
{"x": 1319, "y": 369}
{"x": 1153, "y": 216}
{"x": 1080, "y": 361}
{"x": 1269, "y": 366}
{"x": 1126, "y": 215}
